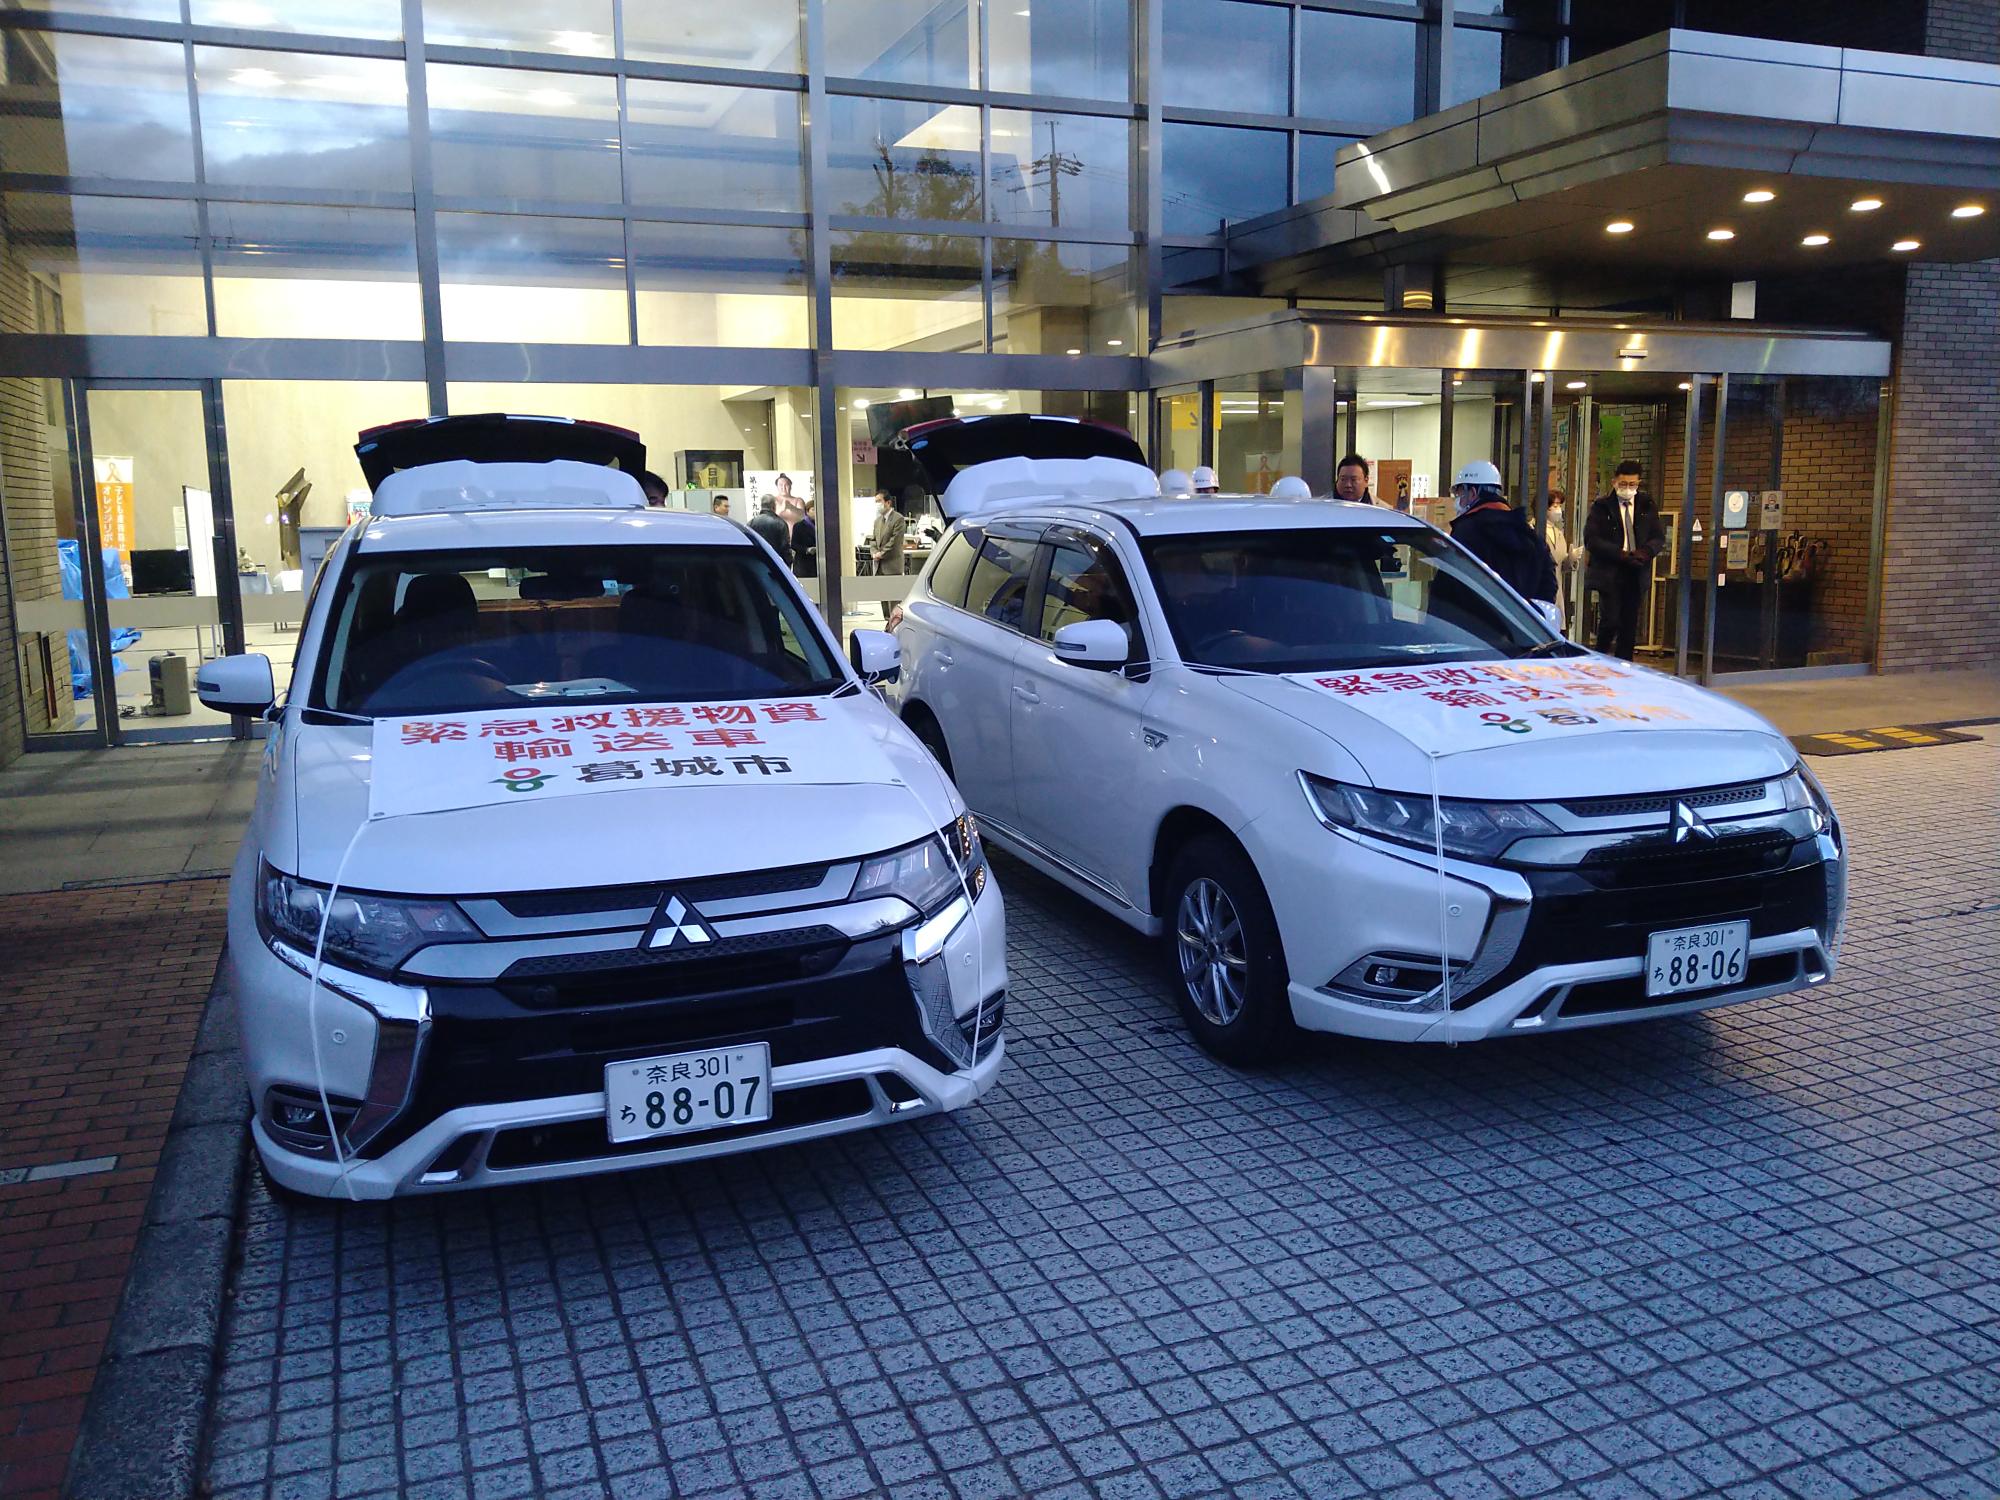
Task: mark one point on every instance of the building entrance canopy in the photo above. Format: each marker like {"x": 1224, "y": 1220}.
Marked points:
{"x": 1687, "y": 151}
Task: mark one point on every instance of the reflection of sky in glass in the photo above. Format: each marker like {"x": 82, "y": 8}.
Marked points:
{"x": 512, "y": 133}
{"x": 888, "y": 158}
{"x": 381, "y": 19}
{"x": 136, "y": 10}
{"x": 93, "y": 238}
{"x": 378, "y": 244}
{"x": 1356, "y": 68}
{"x": 515, "y": 250}
{"x": 1316, "y": 160}
{"x": 701, "y": 146}
{"x": 117, "y": 109}
{"x": 761, "y": 34}
{"x": 1081, "y": 49}
{"x": 285, "y": 118}
{"x": 1221, "y": 54}
{"x": 902, "y": 41}
{"x": 1214, "y": 172}
{"x": 1061, "y": 170}
{"x": 1096, "y": 279}
{"x": 716, "y": 258}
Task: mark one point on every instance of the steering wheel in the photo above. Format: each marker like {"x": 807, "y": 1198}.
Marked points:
{"x": 1218, "y": 638}
{"x": 433, "y": 678}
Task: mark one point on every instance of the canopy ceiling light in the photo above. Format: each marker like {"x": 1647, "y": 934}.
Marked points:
{"x": 1968, "y": 210}
{"x": 1575, "y": 385}
{"x": 1816, "y": 240}
{"x": 1759, "y": 195}
{"x": 1903, "y": 245}
{"x": 1722, "y": 234}
{"x": 1864, "y": 205}
{"x": 1618, "y": 226}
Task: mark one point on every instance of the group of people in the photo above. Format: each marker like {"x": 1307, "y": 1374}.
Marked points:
{"x": 783, "y": 520}
{"x": 1622, "y": 535}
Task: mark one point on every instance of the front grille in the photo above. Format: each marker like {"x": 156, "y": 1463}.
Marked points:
{"x": 1633, "y": 807}
{"x": 594, "y": 899}
{"x": 625, "y": 974}
{"x": 585, "y": 1140}
{"x": 1660, "y": 862}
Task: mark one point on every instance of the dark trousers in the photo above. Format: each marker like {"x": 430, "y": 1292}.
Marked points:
{"x": 1618, "y": 613}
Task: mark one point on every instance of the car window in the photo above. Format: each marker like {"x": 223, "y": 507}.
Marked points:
{"x": 999, "y": 586}
{"x": 1084, "y": 583}
{"x": 445, "y": 632}
{"x": 1294, "y": 601}
{"x": 954, "y": 566}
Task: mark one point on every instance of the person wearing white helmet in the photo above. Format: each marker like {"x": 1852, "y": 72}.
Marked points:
{"x": 1175, "y": 484}
{"x": 1291, "y": 487}
{"x": 1498, "y": 534}
{"x": 1204, "y": 481}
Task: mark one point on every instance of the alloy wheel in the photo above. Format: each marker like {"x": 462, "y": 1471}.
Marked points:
{"x": 1213, "y": 954}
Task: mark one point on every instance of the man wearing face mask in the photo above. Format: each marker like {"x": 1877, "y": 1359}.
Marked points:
{"x": 1622, "y": 536}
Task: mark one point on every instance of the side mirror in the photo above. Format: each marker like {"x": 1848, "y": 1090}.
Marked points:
{"x": 236, "y": 684}
{"x": 1101, "y": 644}
{"x": 877, "y": 656}
{"x": 1551, "y": 616}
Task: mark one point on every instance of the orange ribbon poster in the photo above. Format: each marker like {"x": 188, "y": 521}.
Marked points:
{"x": 116, "y": 524}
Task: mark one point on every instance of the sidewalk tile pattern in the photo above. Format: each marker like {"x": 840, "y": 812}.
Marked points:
{"x": 1754, "y": 1253}
{"x": 100, "y": 994}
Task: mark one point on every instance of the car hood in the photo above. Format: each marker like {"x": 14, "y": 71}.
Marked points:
{"x": 889, "y": 793}
{"x": 1714, "y": 742}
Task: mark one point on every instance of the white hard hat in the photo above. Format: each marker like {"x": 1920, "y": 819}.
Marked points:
{"x": 1175, "y": 483}
{"x": 1204, "y": 478}
{"x": 1479, "y": 471}
{"x": 1291, "y": 487}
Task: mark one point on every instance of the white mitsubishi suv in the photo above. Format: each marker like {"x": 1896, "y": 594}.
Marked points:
{"x": 1353, "y": 780}
{"x": 578, "y": 846}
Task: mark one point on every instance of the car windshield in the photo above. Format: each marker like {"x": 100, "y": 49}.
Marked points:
{"x": 1300, "y": 601}
{"x": 446, "y": 632}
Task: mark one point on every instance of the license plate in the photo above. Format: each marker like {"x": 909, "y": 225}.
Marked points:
{"x": 688, "y": 1091}
{"x": 1697, "y": 958}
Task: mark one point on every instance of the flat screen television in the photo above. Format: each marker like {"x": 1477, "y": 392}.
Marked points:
{"x": 162, "y": 570}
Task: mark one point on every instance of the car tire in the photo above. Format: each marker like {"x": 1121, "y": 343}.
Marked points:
{"x": 931, "y": 736}
{"x": 1224, "y": 956}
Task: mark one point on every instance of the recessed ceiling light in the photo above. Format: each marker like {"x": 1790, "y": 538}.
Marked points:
{"x": 1456, "y": 380}
{"x": 1538, "y": 377}
{"x": 861, "y": 403}
{"x": 1905, "y": 245}
{"x": 906, "y": 394}
{"x": 1968, "y": 210}
{"x": 1575, "y": 385}
{"x": 1618, "y": 226}
{"x": 1684, "y": 386}
{"x": 1816, "y": 240}
{"x": 1076, "y": 351}
{"x": 1865, "y": 205}
{"x": 1722, "y": 234}
{"x": 1759, "y": 195}
{"x": 1115, "y": 343}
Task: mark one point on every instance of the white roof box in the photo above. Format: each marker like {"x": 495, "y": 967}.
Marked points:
{"x": 1003, "y": 481}
{"x": 460, "y": 485}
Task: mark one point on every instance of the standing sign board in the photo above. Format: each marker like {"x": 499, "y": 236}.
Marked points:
{"x": 117, "y": 526}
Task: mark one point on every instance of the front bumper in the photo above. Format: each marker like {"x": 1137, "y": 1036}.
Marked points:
{"x": 1536, "y": 950}
{"x": 443, "y": 1084}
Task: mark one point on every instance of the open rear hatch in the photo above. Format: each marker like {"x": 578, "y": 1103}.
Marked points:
{"x": 496, "y": 437}
{"x": 933, "y": 454}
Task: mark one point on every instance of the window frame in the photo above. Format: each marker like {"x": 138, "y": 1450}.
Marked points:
{"x": 1105, "y": 550}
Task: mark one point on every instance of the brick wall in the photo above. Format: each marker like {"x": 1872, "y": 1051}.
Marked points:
{"x": 1941, "y": 572}
{"x": 1968, "y": 30}
{"x": 29, "y": 570}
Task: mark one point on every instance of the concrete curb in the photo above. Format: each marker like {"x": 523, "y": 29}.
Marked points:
{"x": 142, "y": 1428}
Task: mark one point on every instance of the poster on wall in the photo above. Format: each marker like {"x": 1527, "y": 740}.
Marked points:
{"x": 117, "y": 525}
{"x": 786, "y": 486}
{"x": 1393, "y": 482}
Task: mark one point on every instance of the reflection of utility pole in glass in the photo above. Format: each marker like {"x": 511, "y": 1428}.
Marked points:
{"x": 1051, "y": 169}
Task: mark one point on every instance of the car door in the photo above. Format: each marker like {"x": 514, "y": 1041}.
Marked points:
{"x": 1078, "y": 745}
{"x": 969, "y": 669}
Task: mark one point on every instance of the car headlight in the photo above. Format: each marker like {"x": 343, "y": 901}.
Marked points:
{"x": 1475, "y": 830}
{"x": 363, "y": 931}
{"x": 1803, "y": 793}
{"x": 927, "y": 873}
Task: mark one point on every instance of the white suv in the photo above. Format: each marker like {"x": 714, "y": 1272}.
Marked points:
{"x": 577, "y": 846}
{"x": 1352, "y": 779}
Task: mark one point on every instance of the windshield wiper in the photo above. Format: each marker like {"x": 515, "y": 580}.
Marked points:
{"x": 1548, "y": 648}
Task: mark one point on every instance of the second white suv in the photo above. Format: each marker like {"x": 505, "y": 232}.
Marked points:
{"x": 1351, "y": 779}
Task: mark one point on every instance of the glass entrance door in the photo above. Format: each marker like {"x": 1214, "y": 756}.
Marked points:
{"x": 157, "y": 557}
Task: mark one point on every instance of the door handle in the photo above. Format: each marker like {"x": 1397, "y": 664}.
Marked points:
{"x": 1026, "y": 693}
{"x": 942, "y": 657}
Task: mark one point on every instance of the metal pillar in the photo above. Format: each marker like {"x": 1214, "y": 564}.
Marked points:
{"x": 1716, "y": 549}
{"x": 1319, "y": 432}
{"x": 1583, "y": 451}
{"x": 834, "y": 552}
{"x": 1446, "y": 415}
{"x": 1684, "y": 544}
{"x": 1545, "y": 450}
{"x": 1767, "y": 656}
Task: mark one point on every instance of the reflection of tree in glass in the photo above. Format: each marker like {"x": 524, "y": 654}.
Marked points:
{"x": 929, "y": 187}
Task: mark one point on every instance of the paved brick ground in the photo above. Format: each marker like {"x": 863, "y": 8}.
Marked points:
{"x": 1755, "y": 1253}
{"x": 100, "y": 994}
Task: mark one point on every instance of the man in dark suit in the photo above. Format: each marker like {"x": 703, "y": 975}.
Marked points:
{"x": 1622, "y": 535}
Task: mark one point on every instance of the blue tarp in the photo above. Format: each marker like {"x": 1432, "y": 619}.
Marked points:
{"x": 70, "y": 556}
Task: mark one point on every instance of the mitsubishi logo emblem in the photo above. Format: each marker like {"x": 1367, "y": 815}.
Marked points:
{"x": 675, "y": 923}
{"x": 1688, "y": 824}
